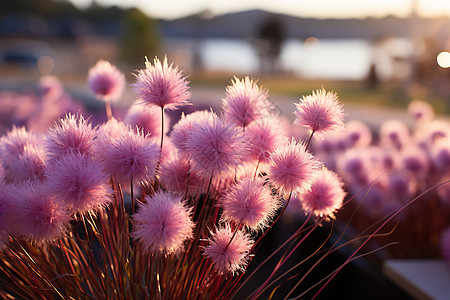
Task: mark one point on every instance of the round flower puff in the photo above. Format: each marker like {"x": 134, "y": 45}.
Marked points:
{"x": 228, "y": 257}
{"x": 161, "y": 85}
{"x": 320, "y": 112}
{"x": 163, "y": 223}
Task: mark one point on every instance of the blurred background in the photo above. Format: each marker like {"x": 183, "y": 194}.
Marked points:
{"x": 377, "y": 55}
{"x": 380, "y": 52}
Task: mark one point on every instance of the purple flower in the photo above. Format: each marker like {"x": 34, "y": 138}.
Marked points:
{"x": 7, "y": 200}
{"x": 106, "y": 81}
{"x": 264, "y": 136}
{"x": 163, "y": 223}
{"x": 325, "y": 196}
{"x": 183, "y": 127}
{"x": 132, "y": 155}
{"x": 147, "y": 119}
{"x": 30, "y": 165}
{"x": 320, "y": 112}
{"x": 245, "y": 102}
{"x": 357, "y": 134}
{"x": 415, "y": 161}
{"x": 420, "y": 111}
{"x": 216, "y": 148}
{"x": 161, "y": 85}
{"x": 249, "y": 203}
{"x": 37, "y": 214}
{"x": 174, "y": 175}
{"x": 14, "y": 143}
{"x": 73, "y": 134}
{"x": 394, "y": 134}
{"x": 292, "y": 169}
{"x": 440, "y": 155}
{"x": 78, "y": 182}
{"x": 228, "y": 257}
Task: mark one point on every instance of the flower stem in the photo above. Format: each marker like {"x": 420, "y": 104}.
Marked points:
{"x": 309, "y": 140}
{"x": 108, "y": 109}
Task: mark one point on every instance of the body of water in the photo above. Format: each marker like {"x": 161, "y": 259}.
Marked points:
{"x": 348, "y": 59}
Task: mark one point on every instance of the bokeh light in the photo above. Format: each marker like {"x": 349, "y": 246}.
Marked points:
{"x": 45, "y": 64}
{"x": 443, "y": 59}
{"x": 312, "y": 44}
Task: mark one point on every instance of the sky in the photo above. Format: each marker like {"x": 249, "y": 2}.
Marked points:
{"x": 170, "y": 9}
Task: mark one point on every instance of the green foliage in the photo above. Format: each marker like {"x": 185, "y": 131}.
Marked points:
{"x": 140, "y": 37}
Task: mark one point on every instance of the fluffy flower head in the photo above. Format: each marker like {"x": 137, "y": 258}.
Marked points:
{"x": 183, "y": 127}
{"x": 394, "y": 134}
{"x": 163, "y": 223}
{"x": 73, "y": 134}
{"x": 161, "y": 85}
{"x": 320, "y": 112}
{"x": 326, "y": 195}
{"x": 292, "y": 168}
{"x": 249, "y": 203}
{"x": 37, "y": 214}
{"x": 132, "y": 155}
{"x": 264, "y": 135}
{"x": 216, "y": 147}
{"x": 30, "y": 165}
{"x": 245, "y": 102}
{"x": 175, "y": 175}
{"x": 147, "y": 119}
{"x": 420, "y": 111}
{"x": 228, "y": 257}
{"x": 106, "y": 81}
{"x": 78, "y": 182}
{"x": 14, "y": 143}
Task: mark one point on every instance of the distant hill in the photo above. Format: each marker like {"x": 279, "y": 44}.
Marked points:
{"x": 247, "y": 23}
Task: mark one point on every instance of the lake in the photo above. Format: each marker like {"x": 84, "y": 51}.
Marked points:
{"x": 339, "y": 59}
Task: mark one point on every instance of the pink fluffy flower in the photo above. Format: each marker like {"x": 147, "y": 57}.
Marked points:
{"x": 357, "y": 134}
{"x": 106, "y": 81}
{"x": 78, "y": 182}
{"x": 394, "y": 134}
{"x": 354, "y": 166}
{"x": 7, "y": 199}
{"x": 440, "y": 155}
{"x": 432, "y": 132}
{"x": 30, "y": 165}
{"x": 175, "y": 172}
{"x": 249, "y": 203}
{"x": 161, "y": 85}
{"x": 147, "y": 119}
{"x": 37, "y": 214}
{"x": 107, "y": 133}
{"x": 73, "y": 134}
{"x": 228, "y": 257}
{"x": 326, "y": 195}
{"x": 320, "y": 112}
{"x": 216, "y": 148}
{"x": 420, "y": 111}
{"x": 50, "y": 87}
{"x": 245, "y": 102}
{"x": 401, "y": 186}
{"x": 163, "y": 223}
{"x": 264, "y": 136}
{"x": 415, "y": 161}
{"x": 13, "y": 144}
{"x": 132, "y": 155}
{"x": 292, "y": 169}
{"x": 183, "y": 127}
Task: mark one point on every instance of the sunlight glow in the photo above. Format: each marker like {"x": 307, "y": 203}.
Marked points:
{"x": 443, "y": 60}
